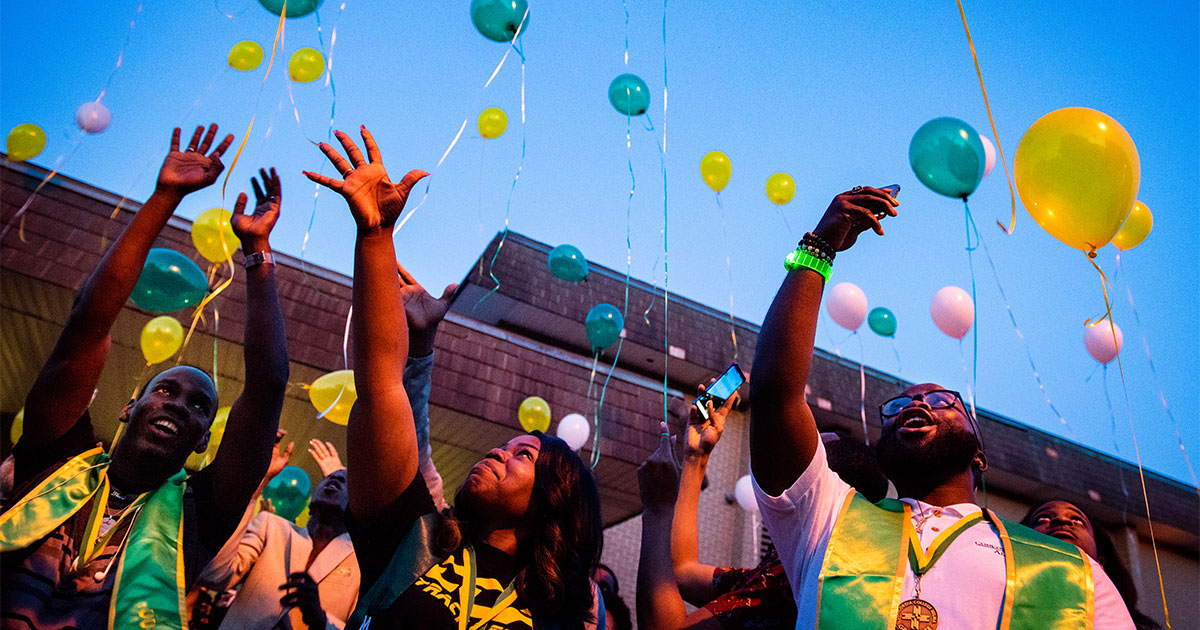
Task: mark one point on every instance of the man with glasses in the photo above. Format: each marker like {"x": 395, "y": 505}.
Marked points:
{"x": 932, "y": 559}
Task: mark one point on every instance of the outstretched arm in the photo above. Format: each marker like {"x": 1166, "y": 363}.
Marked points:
{"x": 783, "y": 434}
{"x": 694, "y": 577}
{"x": 65, "y": 384}
{"x": 381, "y": 440}
{"x": 245, "y": 452}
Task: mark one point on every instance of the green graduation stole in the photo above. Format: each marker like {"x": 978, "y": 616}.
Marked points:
{"x": 1048, "y": 582}
{"x": 149, "y": 588}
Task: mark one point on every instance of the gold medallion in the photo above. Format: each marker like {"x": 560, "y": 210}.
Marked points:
{"x": 916, "y": 614}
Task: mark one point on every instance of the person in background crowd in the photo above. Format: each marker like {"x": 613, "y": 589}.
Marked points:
{"x": 1067, "y": 521}
{"x": 616, "y": 611}
{"x": 958, "y": 563}
{"x": 314, "y": 566}
{"x": 96, "y": 536}
{"x": 525, "y": 529}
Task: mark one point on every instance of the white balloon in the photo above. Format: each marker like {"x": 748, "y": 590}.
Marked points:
{"x": 574, "y": 429}
{"x": 1098, "y": 340}
{"x": 744, "y": 493}
{"x": 93, "y": 117}
{"x": 953, "y": 311}
{"x": 989, "y": 150}
{"x": 847, "y": 305}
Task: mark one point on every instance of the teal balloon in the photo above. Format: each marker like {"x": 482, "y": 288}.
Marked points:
{"x": 947, "y": 156}
{"x": 498, "y": 20}
{"x": 169, "y": 281}
{"x": 604, "y": 324}
{"x": 567, "y": 263}
{"x": 882, "y": 321}
{"x": 629, "y": 94}
{"x": 288, "y": 492}
{"x": 295, "y": 8}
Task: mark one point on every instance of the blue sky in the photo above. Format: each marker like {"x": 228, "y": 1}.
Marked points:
{"x": 830, "y": 93}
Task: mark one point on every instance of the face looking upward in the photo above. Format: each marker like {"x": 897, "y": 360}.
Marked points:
{"x": 930, "y": 437}
{"x": 331, "y": 491}
{"x": 171, "y": 418}
{"x": 499, "y": 486}
{"x": 1064, "y": 521}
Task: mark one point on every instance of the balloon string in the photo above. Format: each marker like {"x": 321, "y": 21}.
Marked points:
{"x": 19, "y": 218}
{"x": 512, "y": 189}
{"x": 729, "y": 269}
{"x": 345, "y": 362}
{"x": 121, "y": 53}
{"x": 1012, "y": 222}
{"x": 962, "y": 353}
{"x": 970, "y": 226}
{"x": 216, "y": 336}
{"x": 1161, "y": 398}
{"x": 662, "y": 160}
{"x": 896, "y": 352}
{"x": 512, "y": 46}
{"x": 595, "y": 458}
{"x": 779, "y": 210}
{"x": 199, "y": 312}
{"x": 862, "y": 388}
{"x": 226, "y": 15}
{"x": 1112, "y": 416}
{"x": 250, "y": 127}
{"x": 1017, "y": 329}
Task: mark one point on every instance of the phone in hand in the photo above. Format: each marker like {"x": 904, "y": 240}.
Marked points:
{"x": 894, "y": 191}
{"x": 722, "y": 388}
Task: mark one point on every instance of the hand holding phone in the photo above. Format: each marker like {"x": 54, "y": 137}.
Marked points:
{"x": 894, "y": 191}
{"x": 725, "y": 386}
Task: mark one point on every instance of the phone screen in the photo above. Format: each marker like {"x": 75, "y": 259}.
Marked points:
{"x": 726, "y": 384}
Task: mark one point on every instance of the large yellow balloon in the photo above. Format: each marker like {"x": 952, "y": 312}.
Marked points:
{"x": 1078, "y": 173}
{"x": 334, "y": 394}
{"x": 161, "y": 338}
{"x": 492, "y": 122}
{"x": 1136, "y": 229}
{"x": 781, "y": 188}
{"x": 534, "y": 414}
{"x": 716, "y": 169}
{"x": 213, "y": 235}
{"x": 306, "y": 64}
{"x": 216, "y": 432}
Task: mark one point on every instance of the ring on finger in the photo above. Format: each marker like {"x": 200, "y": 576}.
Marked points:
{"x": 856, "y": 189}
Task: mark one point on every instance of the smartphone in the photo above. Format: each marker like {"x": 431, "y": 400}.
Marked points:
{"x": 894, "y": 191}
{"x": 726, "y": 384}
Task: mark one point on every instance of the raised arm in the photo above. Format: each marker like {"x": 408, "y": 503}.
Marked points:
{"x": 694, "y": 577}
{"x": 783, "y": 434}
{"x": 245, "y": 452}
{"x": 64, "y": 386}
{"x": 381, "y": 441}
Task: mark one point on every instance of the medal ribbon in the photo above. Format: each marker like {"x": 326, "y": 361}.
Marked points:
{"x": 922, "y": 561}
{"x": 466, "y": 596}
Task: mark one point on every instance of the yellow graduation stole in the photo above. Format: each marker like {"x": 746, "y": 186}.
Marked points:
{"x": 1048, "y": 582}
{"x": 149, "y": 588}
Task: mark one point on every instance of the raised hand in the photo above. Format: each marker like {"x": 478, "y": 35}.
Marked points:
{"x": 423, "y": 311}
{"x": 302, "y": 593}
{"x": 279, "y": 457}
{"x": 703, "y": 435}
{"x": 374, "y": 200}
{"x": 254, "y": 229}
{"x": 187, "y": 171}
{"x": 658, "y": 476}
{"x": 852, "y": 213}
{"x": 326, "y": 457}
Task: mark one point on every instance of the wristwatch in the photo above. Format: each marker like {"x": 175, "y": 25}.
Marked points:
{"x": 255, "y": 259}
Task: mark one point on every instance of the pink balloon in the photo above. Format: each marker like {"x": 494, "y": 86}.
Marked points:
{"x": 989, "y": 150}
{"x": 1098, "y": 340}
{"x": 847, "y": 305}
{"x": 953, "y": 311}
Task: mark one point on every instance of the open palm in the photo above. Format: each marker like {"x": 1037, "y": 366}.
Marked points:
{"x": 374, "y": 200}
{"x": 190, "y": 170}
{"x": 256, "y": 227}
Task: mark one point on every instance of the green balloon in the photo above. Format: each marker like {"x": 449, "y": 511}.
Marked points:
{"x": 288, "y": 492}
{"x": 567, "y": 263}
{"x": 498, "y": 20}
{"x": 295, "y": 8}
{"x": 629, "y": 94}
{"x": 882, "y": 321}
{"x": 604, "y": 324}
{"x": 947, "y": 156}
{"x": 169, "y": 281}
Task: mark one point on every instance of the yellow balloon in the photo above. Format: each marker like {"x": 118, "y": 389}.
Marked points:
{"x": 1136, "y": 229}
{"x": 18, "y": 427}
{"x": 196, "y": 461}
{"x": 492, "y": 123}
{"x": 161, "y": 338}
{"x": 334, "y": 395}
{"x": 716, "y": 169}
{"x": 25, "y": 141}
{"x": 213, "y": 235}
{"x": 781, "y": 188}
{"x": 534, "y": 414}
{"x": 245, "y": 55}
{"x": 1078, "y": 173}
{"x": 306, "y": 64}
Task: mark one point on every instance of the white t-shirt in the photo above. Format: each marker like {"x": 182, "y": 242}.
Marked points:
{"x": 966, "y": 585}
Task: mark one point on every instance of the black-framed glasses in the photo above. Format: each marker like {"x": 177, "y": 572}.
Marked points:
{"x": 936, "y": 399}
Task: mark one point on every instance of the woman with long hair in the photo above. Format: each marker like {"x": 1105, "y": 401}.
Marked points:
{"x": 516, "y": 549}
{"x": 1066, "y": 521}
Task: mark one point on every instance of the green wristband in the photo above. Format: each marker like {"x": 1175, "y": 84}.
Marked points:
{"x": 801, "y": 258}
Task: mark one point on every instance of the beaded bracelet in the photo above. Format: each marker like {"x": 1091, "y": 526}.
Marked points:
{"x": 801, "y": 258}
{"x": 822, "y": 247}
